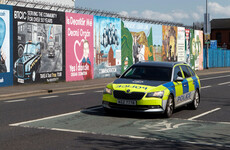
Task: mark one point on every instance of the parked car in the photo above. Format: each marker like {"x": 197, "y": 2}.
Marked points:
{"x": 156, "y": 87}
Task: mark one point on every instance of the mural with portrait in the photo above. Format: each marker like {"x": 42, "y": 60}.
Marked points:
{"x": 79, "y": 47}
{"x": 6, "y": 47}
{"x": 107, "y": 45}
{"x": 137, "y": 43}
{"x": 169, "y": 44}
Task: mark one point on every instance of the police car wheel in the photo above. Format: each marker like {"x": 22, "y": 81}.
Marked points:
{"x": 196, "y": 101}
{"x": 169, "y": 107}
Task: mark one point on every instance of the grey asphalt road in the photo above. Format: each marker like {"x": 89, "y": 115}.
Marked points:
{"x": 78, "y": 122}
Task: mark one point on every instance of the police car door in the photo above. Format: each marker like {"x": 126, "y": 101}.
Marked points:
{"x": 178, "y": 85}
{"x": 188, "y": 85}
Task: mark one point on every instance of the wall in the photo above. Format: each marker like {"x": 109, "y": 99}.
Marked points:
{"x": 50, "y": 46}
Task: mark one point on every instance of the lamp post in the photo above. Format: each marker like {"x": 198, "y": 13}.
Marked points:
{"x": 207, "y": 32}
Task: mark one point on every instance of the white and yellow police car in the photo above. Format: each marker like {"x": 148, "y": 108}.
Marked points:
{"x": 157, "y": 87}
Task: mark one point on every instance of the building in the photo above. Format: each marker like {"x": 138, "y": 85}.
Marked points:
{"x": 220, "y": 31}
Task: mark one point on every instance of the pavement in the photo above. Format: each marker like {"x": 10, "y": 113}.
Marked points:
{"x": 26, "y": 90}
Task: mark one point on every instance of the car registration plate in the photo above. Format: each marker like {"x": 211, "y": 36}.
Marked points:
{"x": 20, "y": 80}
{"x": 126, "y": 102}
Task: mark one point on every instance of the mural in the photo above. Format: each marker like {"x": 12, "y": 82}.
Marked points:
{"x": 169, "y": 43}
{"x": 181, "y": 44}
{"x": 79, "y": 47}
{"x": 6, "y": 74}
{"x": 157, "y": 42}
{"x": 187, "y": 46}
{"x": 196, "y": 60}
{"x": 107, "y": 45}
{"x": 39, "y": 45}
{"x": 137, "y": 43}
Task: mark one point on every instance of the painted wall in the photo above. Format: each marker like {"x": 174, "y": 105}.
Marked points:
{"x": 169, "y": 43}
{"x": 6, "y": 47}
{"x": 39, "y": 45}
{"x": 107, "y": 45}
{"x": 79, "y": 47}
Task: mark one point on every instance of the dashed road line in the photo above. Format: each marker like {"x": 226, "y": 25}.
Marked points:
{"x": 72, "y": 94}
{"x": 46, "y": 97}
{"x": 98, "y": 91}
{"x": 45, "y": 118}
{"x": 215, "y": 77}
{"x": 14, "y": 101}
{"x": 203, "y": 114}
{"x": 224, "y": 83}
{"x": 204, "y": 87}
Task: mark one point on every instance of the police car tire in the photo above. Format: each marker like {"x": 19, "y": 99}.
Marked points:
{"x": 169, "y": 107}
{"x": 109, "y": 111}
{"x": 196, "y": 100}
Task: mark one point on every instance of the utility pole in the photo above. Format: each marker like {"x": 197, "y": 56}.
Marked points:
{"x": 207, "y": 31}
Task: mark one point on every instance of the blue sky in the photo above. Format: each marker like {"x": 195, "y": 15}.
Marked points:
{"x": 182, "y": 11}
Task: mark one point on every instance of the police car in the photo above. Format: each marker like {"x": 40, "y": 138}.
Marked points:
{"x": 157, "y": 87}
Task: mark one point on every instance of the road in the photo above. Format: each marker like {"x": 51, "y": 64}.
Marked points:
{"x": 75, "y": 120}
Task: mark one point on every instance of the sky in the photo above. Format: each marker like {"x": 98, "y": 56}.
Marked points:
{"x": 180, "y": 11}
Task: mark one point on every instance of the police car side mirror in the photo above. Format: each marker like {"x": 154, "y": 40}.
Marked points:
{"x": 179, "y": 79}
{"x": 117, "y": 75}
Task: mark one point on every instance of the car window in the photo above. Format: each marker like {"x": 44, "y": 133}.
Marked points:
{"x": 191, "y": 71}
{"x": 187, "y": 74}
{"x": 177, "y": 73}
{"x": 148, "y": 73}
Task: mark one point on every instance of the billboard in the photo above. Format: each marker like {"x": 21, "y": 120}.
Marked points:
{"x": 181, "y": 44}
{"x": 79, "y": 47}
{"x": 6, "y": 47}
{"x": 137, "y": 43}
{"x": 39, "y": 45}
{"x": 187, "y": 46}
{"x": 169, "y": 43}
{"x": 107, "y": 45}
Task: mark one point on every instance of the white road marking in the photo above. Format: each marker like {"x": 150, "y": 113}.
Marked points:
{"x": 204, "y": 87}
{"x": 13, "y": 101}
{"x": 72, "y": 94}
{"x": 98, "y": 91}
{"x": 46, "y": 118}
{"x": 46, "y": 97}
{"x": 224, "y": 83}
{"x": 215, "y": 77}
{"x": 203, "y": 114}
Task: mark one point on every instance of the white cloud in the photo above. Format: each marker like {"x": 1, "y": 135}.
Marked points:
{"x": 135, "y": 13}
{"x": 216, "y": 8}
{"x": 124, "y": 13}
{"x": 180, "y": 15}
{"x": 196, "y": 16}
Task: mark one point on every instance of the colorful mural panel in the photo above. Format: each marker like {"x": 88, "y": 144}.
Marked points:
{"x": 79, "y": 47}
{"x": 181, "y": 44}
{"x": 107, "y": 45}
{"x": 6, "y": 47}
{"x": 169, "y": 44}
{"x": 137, "y": 43}
{"x": 39, "y": 45}
{"x": 187, "y": 46}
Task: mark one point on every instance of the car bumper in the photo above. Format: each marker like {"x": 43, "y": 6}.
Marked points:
{"x": 136, "y": 108}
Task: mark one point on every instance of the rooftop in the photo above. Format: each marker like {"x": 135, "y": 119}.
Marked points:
{"x": 220, "y": 23}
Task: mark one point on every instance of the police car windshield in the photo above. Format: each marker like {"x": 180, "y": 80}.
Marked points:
{"x": 148, "y": 73}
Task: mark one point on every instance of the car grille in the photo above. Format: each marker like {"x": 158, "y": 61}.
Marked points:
{"x": 20, "y": 70}
{"x": 129, "y": 96}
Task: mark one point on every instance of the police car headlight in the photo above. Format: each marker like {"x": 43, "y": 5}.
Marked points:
{"x": 159, "y": 94}
{"x": 107, "y": 91}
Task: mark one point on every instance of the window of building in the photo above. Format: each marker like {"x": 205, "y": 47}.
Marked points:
{"x": 218, "y": 37}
